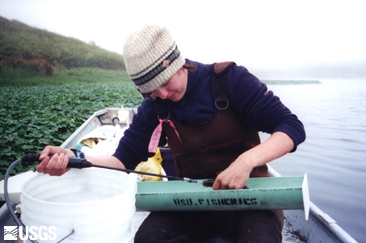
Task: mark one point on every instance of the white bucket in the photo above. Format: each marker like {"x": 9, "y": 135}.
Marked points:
{"x": 97, "y": 204}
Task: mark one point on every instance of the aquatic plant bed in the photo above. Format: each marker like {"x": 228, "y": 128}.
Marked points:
{"x": 34, "y": 116}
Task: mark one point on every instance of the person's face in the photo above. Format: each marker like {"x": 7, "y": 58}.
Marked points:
{"x": 173, "y": 89}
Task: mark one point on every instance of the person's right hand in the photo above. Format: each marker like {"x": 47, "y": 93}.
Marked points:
{"x": 56, "y": 165}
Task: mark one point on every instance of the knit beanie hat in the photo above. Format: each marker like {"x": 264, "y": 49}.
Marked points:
{"x": 151, "y": 57}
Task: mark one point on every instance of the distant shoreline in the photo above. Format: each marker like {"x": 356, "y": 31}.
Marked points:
{"x": 291, "y": 81}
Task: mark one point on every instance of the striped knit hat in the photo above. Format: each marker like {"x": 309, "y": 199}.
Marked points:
{"x": 151, "y": 57}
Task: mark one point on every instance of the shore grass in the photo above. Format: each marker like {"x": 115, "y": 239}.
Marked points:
{"x": 29, "y": 77}
{"x": 21, "y": 77}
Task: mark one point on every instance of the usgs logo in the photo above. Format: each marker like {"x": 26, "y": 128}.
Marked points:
{"x": 31, "y": 233}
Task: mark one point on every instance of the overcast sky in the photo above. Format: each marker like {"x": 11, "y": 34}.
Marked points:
{"x": 252, "y": 33}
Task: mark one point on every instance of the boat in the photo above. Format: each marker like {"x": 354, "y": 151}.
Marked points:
{"x": 317, "y": 226}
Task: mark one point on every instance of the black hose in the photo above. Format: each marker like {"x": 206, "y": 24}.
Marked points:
{"x": 83, "y": 163}
{"x": 6, "y": 195}
{"x": 144, "y": 173}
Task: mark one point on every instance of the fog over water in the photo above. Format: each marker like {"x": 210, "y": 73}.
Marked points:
{"x": 316, "y": 71}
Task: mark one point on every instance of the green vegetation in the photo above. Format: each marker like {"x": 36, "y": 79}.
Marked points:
{"x": 34, "y": 116}
{"x": 27, "y": 76}
{"x": 22, "y": 41}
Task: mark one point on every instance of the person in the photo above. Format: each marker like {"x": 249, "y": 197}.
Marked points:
{"x": 210, "y": 137}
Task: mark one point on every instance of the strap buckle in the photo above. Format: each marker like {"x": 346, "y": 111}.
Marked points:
{"x": 219, "y": 108}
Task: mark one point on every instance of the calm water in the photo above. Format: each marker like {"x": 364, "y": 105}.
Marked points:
{"x": 334, "y": 153}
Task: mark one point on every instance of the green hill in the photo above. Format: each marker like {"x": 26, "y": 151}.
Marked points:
{"x": 20, "y": 42}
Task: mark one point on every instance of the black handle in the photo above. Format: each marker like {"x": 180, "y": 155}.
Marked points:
{"x": 31, "y": 159}
{"x": 78, "y": 163}
{"x": 73, "y": 162}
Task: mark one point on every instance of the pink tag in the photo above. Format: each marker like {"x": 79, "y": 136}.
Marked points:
{"x": 155, "y": 137}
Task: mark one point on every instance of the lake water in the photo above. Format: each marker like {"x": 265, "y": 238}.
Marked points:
{"x": 334, "y": 152}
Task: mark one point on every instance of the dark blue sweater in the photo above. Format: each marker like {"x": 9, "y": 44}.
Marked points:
{"x": 258, "y": 108}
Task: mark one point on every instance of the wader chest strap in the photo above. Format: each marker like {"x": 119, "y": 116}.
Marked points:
{"x": 219, "y": 90}
{"x": 161, "y": 109}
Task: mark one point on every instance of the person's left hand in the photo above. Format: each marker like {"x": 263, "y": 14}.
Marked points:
{"x": 235, "y": 176}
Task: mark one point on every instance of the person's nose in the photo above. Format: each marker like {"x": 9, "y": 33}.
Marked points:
{"x": 161, "y": 92}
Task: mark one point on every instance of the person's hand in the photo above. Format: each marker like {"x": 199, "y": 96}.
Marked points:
{"x": 237, "y": 174}
{"x": 56, "y": 165}
{"x": 233, "y": 177}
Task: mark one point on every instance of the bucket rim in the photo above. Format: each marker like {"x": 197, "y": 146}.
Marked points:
{"x": 72, "y": 204}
